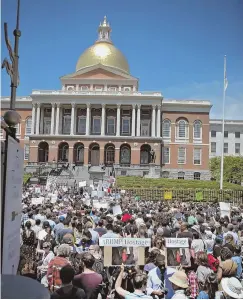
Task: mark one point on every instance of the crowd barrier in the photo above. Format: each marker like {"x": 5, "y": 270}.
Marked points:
{"x": 185, "y": 195}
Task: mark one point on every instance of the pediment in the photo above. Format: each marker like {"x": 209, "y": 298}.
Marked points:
{"x": 99, "y": 72}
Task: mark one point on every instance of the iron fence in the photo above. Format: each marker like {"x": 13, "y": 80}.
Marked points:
{"x": 185, "y": 195}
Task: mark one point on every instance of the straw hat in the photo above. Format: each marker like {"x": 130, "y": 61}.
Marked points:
{"x": 179, "y": 278}
{"x": 232, "y": 287}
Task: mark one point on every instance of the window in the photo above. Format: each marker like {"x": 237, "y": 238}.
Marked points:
{"x": 84, "y": 88}
{"x": 99, "y": 88}
{"x": 181, "y": 155}
{"x": 166, "y": 128}
{"x": 125, "y": 155}
{"x": 165, "y": 174}
{"x": 1, "y": 132}
{"x": 197, "y": 130}
{"x": 17, "y": 127}
{"x": 226, "y": 134}
{"x": 26, "y": 152}
{"x": 126, "y": 125}
{"x": 96, "y": 125}
{"x": 182, "y": 129}
{"x": 127, "y": 89}
{"x": 237, "y": 135}
{"x": 81, "y": 124}
{"x": 197, "y": 156}
{"x": 111, "y": 127}
{"x": 237, "y": 148}
{"x": 112, "y": 89}
{"x": 145, "y": 128}
{"x": 197, "y": 176}
{"x": 66, "y": 124}
{"x": 181, "y": 175}
{"x": 28, "y": 124}
{"x": 47, "y": 125}
{"x": 213, "y": 133}
{"x": 226, "y": 148}
{"x": 123, "y": 173}
{"x": 213, "y": 147}
{"x": 166, "y": 155}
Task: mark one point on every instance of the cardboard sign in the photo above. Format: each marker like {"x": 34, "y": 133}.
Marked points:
{"x": 125, "y": 242}
{"x": 117, "y": 210}
{"x": 177, "y": 252}
{"x": 37, "y": 190}
{"x": 123, "y": 192}
{"x": 36, "y": 201}
{"x": 168, "y": 195}
{"x": 224, "y": 209}
{"x": 176, "y": 243}
{"x": 82, "y": 184}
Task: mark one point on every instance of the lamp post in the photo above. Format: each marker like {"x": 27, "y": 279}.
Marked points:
{"x": 12, "y": 69}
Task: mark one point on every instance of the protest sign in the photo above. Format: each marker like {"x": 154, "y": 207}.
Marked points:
{"x": 117, "y": 210}
{"x": 94, "y": 194}
{"x": 82, "y": 184}
{"x": 36, "y": 201}
{"x": 168, "y": 195}
{"x": 37, "y": 190}
{"x": 177, "y": 252}
{"x": 53, "y": 198}
{"x": 224, "y": 209}
{"x": 100, "y": 204}
{"x": 123, "y": 192}
{"x": 127, "y": 251}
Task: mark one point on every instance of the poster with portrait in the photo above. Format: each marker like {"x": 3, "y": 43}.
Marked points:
{"x": 177, "y": 252}
{"x": 127, "y": 251}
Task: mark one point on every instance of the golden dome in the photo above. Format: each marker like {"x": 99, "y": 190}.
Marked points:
{"x": 103, "y": 52}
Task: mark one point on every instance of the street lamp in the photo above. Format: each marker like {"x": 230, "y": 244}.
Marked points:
{"x": 11, "y": 117}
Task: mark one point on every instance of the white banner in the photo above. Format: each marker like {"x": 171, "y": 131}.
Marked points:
{"x": 176, "y": 243}
{"x": 224, "y": 209}
{"x": 117, "y": 210}
{"x": 82, "y": 184}
{"x": 36, "y": 201}
{"x": 124, "y": 242}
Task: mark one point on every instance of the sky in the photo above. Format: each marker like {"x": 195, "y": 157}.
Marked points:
{"x": 173, "y": 46}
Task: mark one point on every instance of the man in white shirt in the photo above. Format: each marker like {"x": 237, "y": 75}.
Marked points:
{"x": 37, "y": 227}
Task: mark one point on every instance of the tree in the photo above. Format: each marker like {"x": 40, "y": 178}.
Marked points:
{"x": 233, "y": 168}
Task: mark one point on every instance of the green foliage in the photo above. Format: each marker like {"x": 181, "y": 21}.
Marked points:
{"x": 26, "y": 177}
{"x": 233, "y": 168}
{"x": 135, "y": 182}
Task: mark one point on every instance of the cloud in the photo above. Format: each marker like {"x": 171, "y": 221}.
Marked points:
{"x": 212, "y": 91}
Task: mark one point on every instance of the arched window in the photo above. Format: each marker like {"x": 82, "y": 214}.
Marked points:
{"x": 145, "y": 154}
{"x": 125, "y": 155}
{"x": 166, "y": 127}
{"x": 197, "y": 129}
{"x": 109, "y": 155}
{"x": 181, "y": 175}
{"x": 197, "y": 175}
{"x": 63, "y": 150}
{"x": 78, "y": 153}
{"x": 28, "y": 124}
{"x": 165, "y": 174}
{"x": 182, "y": 129}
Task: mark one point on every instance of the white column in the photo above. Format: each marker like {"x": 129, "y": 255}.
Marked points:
{"x": 88, "y": 119}
{"x": 33, "y": 119}
{"x": 133, "y": 120}
{"x": 38, "y": 119}
{"x": 158, "y": 121}
{"x": 103, "y": 120}
{"x": 118, "y": 119}
{"x": 72, "y": 119}
{"x": 52, "y": 118}
{"x": 58, "y": 118}
{"x": 153, "y": 121}
{"x": 138, "y": 120}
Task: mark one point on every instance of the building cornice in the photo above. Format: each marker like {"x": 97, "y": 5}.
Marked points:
{"x": 227, "y": 122}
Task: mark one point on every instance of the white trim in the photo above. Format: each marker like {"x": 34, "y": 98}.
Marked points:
{"x": 83, "y": 118}
{"x": 166, "y": 137}
{"x": 200, "y": 156}
{"x": 197, "y": 138}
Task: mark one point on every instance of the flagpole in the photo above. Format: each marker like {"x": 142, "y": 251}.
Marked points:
{"x": 222, "y": 146}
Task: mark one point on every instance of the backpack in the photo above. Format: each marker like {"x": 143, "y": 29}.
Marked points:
{"x": 71, "y": 295}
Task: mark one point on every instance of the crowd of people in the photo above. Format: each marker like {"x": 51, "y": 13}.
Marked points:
{"x": 60, "y": 248}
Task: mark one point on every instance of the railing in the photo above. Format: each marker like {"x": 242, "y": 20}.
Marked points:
{"x": 186, "y": 195}
{"x": 99, "y": 93}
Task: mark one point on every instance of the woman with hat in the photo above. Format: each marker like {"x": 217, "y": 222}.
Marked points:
{"x": 232, "y": 288}
{"x": 179, "y": 284}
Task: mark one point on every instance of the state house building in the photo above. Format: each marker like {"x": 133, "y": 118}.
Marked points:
{"x": 100, "y": 117}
